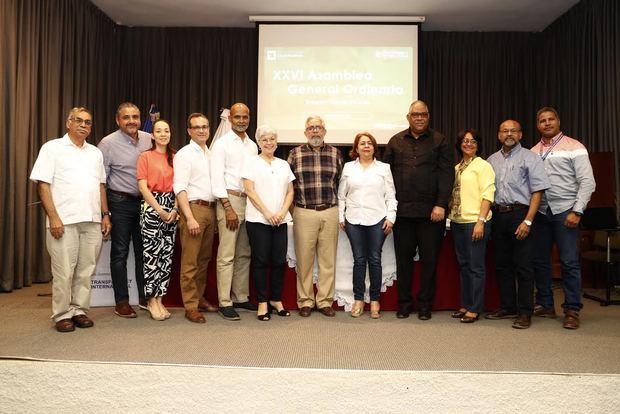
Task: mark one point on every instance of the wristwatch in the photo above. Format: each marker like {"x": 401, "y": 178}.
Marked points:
{"x": 106, "y": 213}
{"x": 577, "y": 213}
{"x": 527, "y": 222}
{"x": 482, "y": 219}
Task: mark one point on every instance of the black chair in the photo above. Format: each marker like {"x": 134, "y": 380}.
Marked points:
{"x": 605, "y": 248}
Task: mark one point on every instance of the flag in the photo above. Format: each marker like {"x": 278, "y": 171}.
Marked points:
{"x": 147, "y": 125}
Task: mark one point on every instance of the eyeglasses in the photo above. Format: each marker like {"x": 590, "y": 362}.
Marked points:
{"x": 81, "y": 121}
{"x": 509, "y": 131}
{"x": 418, "y": 114}
{"x": 267, "y": 139}
{"x": 469, "y": 141}
{"x": 199, "y": 127}
{"x": 314, "y": 128}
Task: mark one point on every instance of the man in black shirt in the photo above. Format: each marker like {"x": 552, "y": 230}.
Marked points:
{"x": 422, "y": 162}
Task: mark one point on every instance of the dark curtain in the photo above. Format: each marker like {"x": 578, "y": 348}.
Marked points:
{"x": 476, "y": 80}
{"x": 57, "y": 54}
{"x": 578, "y": 72}
{"x": 51, "y": 54}
{"x": 184, "y": 71}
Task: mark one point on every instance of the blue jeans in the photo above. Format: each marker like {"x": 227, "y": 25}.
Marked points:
{"x": 125, "y": 227}
{"x": 366, "y": 244}
{"x": 471, "y": 257}
{"x": 550, "y": 228}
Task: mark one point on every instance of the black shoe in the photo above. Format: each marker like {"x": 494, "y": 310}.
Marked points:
{"x": 245, "y": 305}
{"x": 265, "y": 317}
{"x": 228, "y": 312}
{"x": 403, "y": 313}
{"x": 282, "y": 312}
{"x": 457, "y": 314}
{"x": 501, "y": 314}
{"x": 424, "y": 314}
{"x": 470, "y": 319}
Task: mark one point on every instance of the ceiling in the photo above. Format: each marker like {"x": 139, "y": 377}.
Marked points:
{"x": 441, "y": 15}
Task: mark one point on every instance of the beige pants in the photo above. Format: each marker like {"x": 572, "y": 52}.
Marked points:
{"x": 74, "y": 258}
{"x": 233, "y": 256}
{"x": 196, "y": 254}
{"x": 316, "y": 232}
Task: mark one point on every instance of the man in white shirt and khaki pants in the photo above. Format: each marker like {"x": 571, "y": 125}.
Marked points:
{"x": 71, "y": 180}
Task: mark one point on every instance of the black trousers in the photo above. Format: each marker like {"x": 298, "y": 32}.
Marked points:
{"x": 513, "y": 262}
{"x": 268, "y": 245}
{"x": 411, "y": 234}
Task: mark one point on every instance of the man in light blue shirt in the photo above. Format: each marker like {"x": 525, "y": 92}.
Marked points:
{"x": 520, "y": 181}
{"x": 120, "y": 157}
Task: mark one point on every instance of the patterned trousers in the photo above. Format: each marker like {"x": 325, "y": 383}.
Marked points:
{"x": 158, "y": 241}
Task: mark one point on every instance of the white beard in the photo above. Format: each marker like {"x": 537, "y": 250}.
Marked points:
{"x": 315, "y": 141}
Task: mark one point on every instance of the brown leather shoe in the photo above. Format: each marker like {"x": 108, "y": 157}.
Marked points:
{"x": 205, "y": 306}
{"x": 82, "y": 321}
{"x": 522, "y": 322}
{"x": 124, "y": 310}
{"x": 65, "y": 325}
{"x": 328, "y": 311}
{"x": 571, "y": 319}
{"x": 193, "y": 315}
{"x": 543, "y": 312}
{"x": 305, "y": 311}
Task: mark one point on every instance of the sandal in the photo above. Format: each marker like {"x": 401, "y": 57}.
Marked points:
{"x": 375, "y": 306}
{"x": 358, "y": 309}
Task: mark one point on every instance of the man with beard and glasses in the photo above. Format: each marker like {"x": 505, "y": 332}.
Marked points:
{"x": 572, "y": 183}
{"x": 317, "y": 167}
{"x": 120, "y": 157}
{"x": 520, "y": 181}
{"x": 422, "y": 163}
{"x": 233, "y": 254}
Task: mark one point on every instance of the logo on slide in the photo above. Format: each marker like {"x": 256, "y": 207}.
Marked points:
{"x": 271, "y": 55}
{"x": 391, "y": 54}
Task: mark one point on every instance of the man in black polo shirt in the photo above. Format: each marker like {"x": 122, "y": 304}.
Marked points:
{"x": 422, "y": 162}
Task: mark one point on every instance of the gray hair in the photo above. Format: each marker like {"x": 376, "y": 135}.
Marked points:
{"x": 313, "y": 117}
{"x": 263, "y": 130}
{"x": 76, "y": 110}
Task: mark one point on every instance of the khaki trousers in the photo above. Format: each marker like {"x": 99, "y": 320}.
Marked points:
{"x": 233, "y": 256}
{"x": 74, "y": 258}
{"x": 196, "y": 254}
{"x": 316, "y": 233}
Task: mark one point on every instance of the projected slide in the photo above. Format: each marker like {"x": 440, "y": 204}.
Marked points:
{"x": 354, "y": 87}
{"x": 369, "y": 86}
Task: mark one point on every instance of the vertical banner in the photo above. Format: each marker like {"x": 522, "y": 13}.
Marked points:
{"x": 102, "y": 293}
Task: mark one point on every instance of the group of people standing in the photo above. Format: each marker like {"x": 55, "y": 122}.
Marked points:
{"x": 136, "y": 188}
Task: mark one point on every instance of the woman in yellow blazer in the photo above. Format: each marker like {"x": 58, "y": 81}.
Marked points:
{"x": 470, "y": 215}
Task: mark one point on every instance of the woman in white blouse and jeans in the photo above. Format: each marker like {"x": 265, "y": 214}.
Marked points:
{"x": 367, "y": 206}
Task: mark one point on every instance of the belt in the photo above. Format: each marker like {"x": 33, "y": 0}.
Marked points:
{"x": 509, "y": 207}
{"x": 237, "y": 193}
{"x": 317, "y": 207}
{"x": 203, "y": 203}
{"x": 128, "y": 195}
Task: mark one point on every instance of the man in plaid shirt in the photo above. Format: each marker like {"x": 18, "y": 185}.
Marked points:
{"x": 317, "y": 167}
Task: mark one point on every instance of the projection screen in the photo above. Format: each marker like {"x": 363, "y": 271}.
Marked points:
{"x": 357, "y": 77}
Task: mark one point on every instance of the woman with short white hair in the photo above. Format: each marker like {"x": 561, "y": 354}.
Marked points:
{"x": 268, "y": 183}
